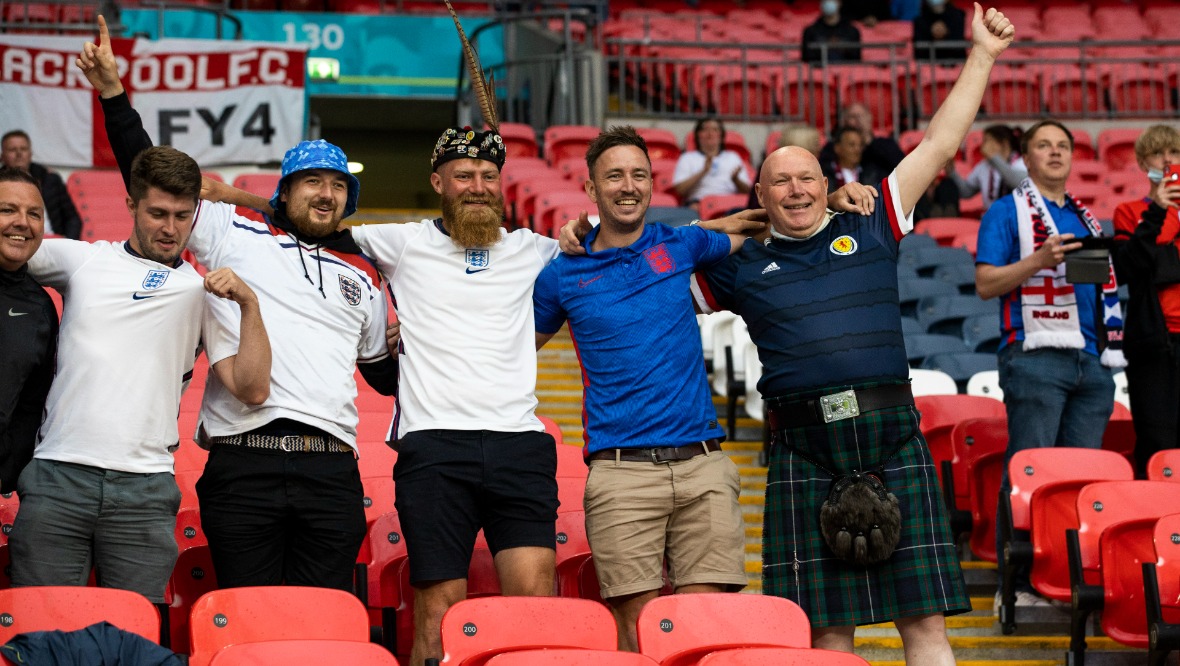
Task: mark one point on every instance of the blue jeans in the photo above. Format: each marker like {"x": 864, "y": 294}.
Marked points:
{"x": 1054, "y": 397}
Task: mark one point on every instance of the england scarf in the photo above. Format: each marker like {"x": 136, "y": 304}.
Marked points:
{"x": 1048, "y": 303}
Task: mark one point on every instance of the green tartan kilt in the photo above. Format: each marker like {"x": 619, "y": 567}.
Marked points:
{"x": 923, "y": 575}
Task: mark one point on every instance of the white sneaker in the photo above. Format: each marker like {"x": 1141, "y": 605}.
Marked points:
{"x": 1025, "y": 599}
{"x": 996, "y": 605}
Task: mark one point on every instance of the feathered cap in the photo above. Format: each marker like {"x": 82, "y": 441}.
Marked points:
{"x": 464, "y": 142}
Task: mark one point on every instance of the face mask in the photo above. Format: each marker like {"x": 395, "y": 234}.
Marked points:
{"x": 936, "y": 4}
{"x": 1155, "y": 175}
{"x": 829, "y": 7}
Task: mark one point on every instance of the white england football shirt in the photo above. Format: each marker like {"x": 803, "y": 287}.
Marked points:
{"x": 316, "y": 337}
{"x": 130, "y": 329}
{"x": 469, "y": 358}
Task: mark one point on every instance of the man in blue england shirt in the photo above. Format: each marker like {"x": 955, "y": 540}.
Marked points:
{"x": 658, "y": 481}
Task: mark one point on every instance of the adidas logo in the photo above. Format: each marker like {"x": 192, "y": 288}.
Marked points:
{"x": 770, "y": 267}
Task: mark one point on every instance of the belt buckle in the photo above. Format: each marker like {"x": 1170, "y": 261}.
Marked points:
{"x": 656, "y": 459}
{"x": 297, "y": 443}
{"x": 839, "y": 406}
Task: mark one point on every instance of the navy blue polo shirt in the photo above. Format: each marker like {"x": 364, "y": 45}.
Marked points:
{"x": 822, "y": 311}
{"x": 631, "y": 318}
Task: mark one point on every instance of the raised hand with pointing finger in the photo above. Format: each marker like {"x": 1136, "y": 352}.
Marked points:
{"x": 97, "y": 62}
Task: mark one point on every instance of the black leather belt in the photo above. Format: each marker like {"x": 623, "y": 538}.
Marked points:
{"x": 837, "y": 406}
{"x": 288, "y": 443}
{"x": 660, "y": 454}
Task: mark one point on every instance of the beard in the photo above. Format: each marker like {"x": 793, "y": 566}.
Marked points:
{"x": 479, "y": 227}
{"x": 300, "y": 217}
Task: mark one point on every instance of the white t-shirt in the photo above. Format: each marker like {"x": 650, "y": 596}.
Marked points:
{"x": 468, "y": 359}
{"x": 986, "y": 179}
{"x": 130, "y": 330}
{"x": 316, "y": 338}
{"x": 719, "y": 180}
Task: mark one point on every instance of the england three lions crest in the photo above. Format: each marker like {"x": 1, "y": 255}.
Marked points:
{"x": 155, "y": 279}
{"x": 478, "y": 260}
{"x": 350, "y": 289}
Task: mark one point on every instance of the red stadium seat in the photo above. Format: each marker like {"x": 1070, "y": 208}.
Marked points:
{"x": 1012, "y": 91}
{"x": 1164, "y": 466}
{"x": 808, "y": 96}
{"x": 548, "y": 205}
{"x": 267, "y": 653}
{"x": 252, "y": 614}
{"x": 940, "y": 413}
{"x": 1119, "y": 437}
{"x": 873, "y": 86}
{"x": 570, "y": 657}
{"x": 1045, "y": 483}
{"x": 573, "y": 549}
{"x": 570, "y": 462}
{"x": 945, "y": 229}
{"x": 1161, "y": 581}
{"x": 570, "y": 491}
{"x": 742, "y": 92}
{"x": 983, "y": 473}
{"x": 782, "y": 657}
{"x": 1086, "y": 171}
{"x": 1083, "y": 145}
{"x": 553, "y": 430}
{"x": 733, "y": 141}
{"x": 383, "y": 572}
{"x": 379, "y": 495}
{"x": 970, "y": 440}
{"x": 1116, "y": 147}
{"x": 529, "y": 191}
{"x": 1124, "y": 548}
{"x": 262, "y": 184}
{"x": 574, "y": 169}
{"x": 661, "y": 143}
{"x": 1069, "y": 22}
{"x": 1140, "y": 91}
{"x": 8, "y": 511}
{"x": 475, "y": 630}
{"x": 562, "y": 141}
{"x": 520, "y": 140}
{"x": 680, "y": 629}
{"x": 1099, "y": 506}
{"x": 28, "y": 609}
{"x": 910, "y": 139}
{"x": 192, "y": 576}
{"x": 1126, "y": 184}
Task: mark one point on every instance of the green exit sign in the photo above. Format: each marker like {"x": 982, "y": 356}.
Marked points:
{"x": 323, "y": 69}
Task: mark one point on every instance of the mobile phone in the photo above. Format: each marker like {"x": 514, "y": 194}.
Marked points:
{"x": 1172, "y": 174}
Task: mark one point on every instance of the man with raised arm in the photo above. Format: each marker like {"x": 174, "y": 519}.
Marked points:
{"x": 821, "y": 303}
{"x": 281, "y": 496}
{"x": 99, "y": 492}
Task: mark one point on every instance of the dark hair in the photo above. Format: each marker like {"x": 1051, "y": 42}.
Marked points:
{"x": 165, "y": 168}
{"x": 840, "y": 131}
{"x": 13, "y": 175}
{"x": 1030, "y": 132}
{"x": 696, "y": 130}
{"x": 1008, "y": 135}
{"x": 12, "y": 133}
{"x": 617, "y": 135}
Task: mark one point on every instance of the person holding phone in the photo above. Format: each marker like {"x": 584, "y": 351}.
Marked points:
{"x": 1059, "y": 339}
{"x": 1147, "y": 234}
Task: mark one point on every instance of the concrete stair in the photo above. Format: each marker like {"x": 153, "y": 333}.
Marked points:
{"x": 1041, "y": 640}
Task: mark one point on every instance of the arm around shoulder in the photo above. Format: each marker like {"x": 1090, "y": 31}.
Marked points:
{"x": 247, "y": 373}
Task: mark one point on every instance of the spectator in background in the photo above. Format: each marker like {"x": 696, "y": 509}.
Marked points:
{"x": 710, "y": 168}
{"x": 60, "y": 216}
{"x": 1147, "y": 232}
{"x": 905, "y": 10}
{"x": 999, "y": 172}
{"x": 846, "y": 165}
{"x": 882, "y": 153}
{"x": 940, "y": 21}
{"x": 1055, "y": 351}
{"x": 831, "y": 28}
{"x": 28, "y": 339}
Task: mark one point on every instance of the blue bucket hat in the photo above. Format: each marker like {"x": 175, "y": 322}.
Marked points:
{"x": 318, "y": 154}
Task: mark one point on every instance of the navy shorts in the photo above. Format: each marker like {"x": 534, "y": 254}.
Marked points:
{"x": 452, "y": 483}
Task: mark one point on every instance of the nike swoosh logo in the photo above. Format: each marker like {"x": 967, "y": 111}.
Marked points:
{"x": 582, "y": 284}
{"x": 16, "y": 314}
{"x": 478, "y": 270}
{"x": 137, "y": 297}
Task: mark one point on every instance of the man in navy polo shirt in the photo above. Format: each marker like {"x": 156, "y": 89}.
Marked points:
{"x": 821, "y": 303}
{"x": 658, "y": 480}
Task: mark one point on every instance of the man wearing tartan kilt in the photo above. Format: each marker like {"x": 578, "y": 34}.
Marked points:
{"x": 820, "y": 298}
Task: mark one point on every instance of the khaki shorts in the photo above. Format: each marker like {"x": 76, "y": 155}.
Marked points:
{"x": 637, "y": 511}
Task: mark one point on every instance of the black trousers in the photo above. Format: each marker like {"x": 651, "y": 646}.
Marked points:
{"x": 1153, "y": 382}
{"x": 273, "y": 517}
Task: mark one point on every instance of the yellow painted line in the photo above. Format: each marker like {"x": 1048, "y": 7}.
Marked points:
{"x": 754, "y": 486}
{"x": 999, "y": 642}
{"x": 754, "y": 471}
{"x": 752, "y": 500}
{"x": 559, "y": 398}
{"x": 978, "y": 565}
{"x": 953, "y": 622}
{"x": 982, "y": 603}
{"x": 741, "y": 445}
{"x": 753, "y": 567}
{"x": 741, "y": 459}
{"x": 753, "y": 532}
{"x": 756, "y": 519}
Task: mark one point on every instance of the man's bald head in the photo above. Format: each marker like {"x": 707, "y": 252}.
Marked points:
{"x": 793, "y": 190}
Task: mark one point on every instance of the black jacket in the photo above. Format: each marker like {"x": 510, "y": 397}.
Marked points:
{"x": 28, "y": 351}
{"x": 954, "y": 19}
{"x": 59, "y": 207}
{"x": 820, "y": 32}
{"x": 1143, "y": 265}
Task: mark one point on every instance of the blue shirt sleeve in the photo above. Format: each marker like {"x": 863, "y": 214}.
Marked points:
{"x": 718, "y": 282}
{"x": 706, "y": 247}
{"x": 547, "y": 309}
{"x": 997, "y": 241}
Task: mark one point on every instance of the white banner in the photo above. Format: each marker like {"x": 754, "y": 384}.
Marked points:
{"x": 222, "y": 102}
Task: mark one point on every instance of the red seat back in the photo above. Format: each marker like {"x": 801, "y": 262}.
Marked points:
{"x": 940, "y": 413}
{"x": 520, "y": 140}
{"x": 1124, "y": 547}
{"x": 1032, "y": 468}
{"x": 387, "y": 553}
{"x": 983, "y": 470}
{"x": 971, "y": 439}
{"x": 267, "y": 653}
{"x": 782, "y": 657}
{"x": 562, "y": 141}
{"x": 661, "y": 143}
{"x": 379, "y": 496}
{"x": 570, "y": 657}
{"x": 1164, "y": 466}
{"x": 1166, "y": 538}
{"x": 1108, "y": 502}
{"x": 69, "y": 608}
{"x": 683, "y": 628}
{"x": 573, "y": 548}
{"x": 251, "y": 614}
{"x": 475, "y": 630}
{"x": 718, "y": 205}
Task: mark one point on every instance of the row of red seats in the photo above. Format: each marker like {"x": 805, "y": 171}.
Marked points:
{"x": 268, "y": 625}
